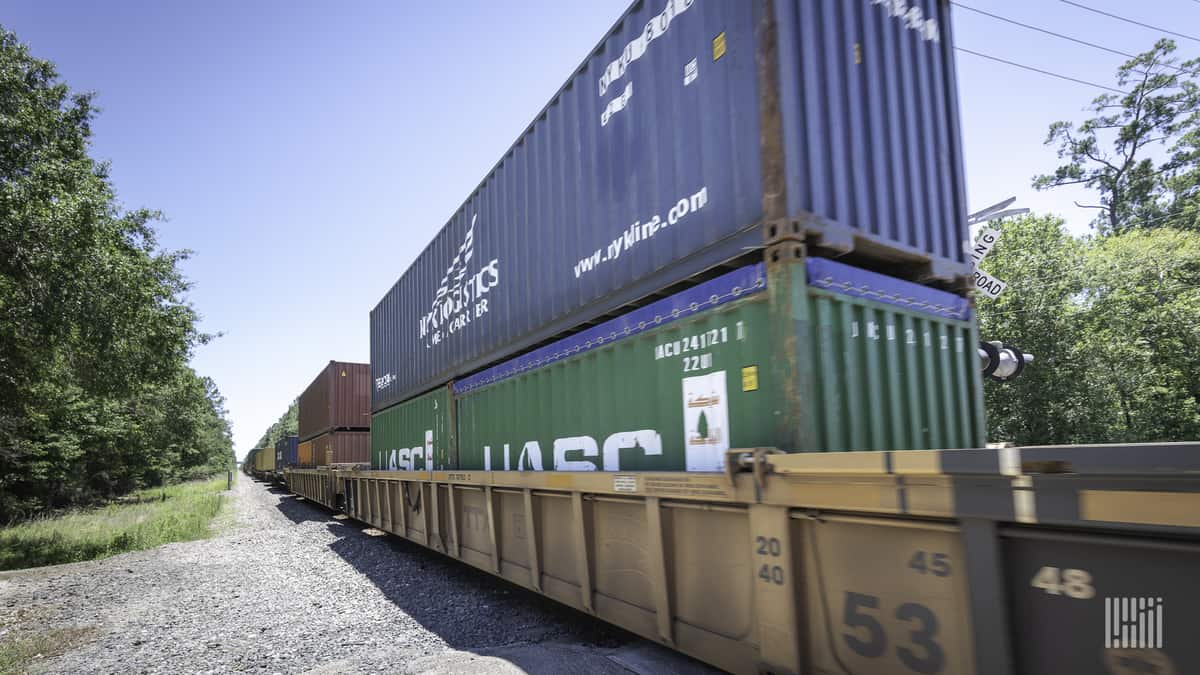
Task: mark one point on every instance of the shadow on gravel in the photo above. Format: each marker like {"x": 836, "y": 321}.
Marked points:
{"x": 467, "y": 608}
{"x": 301, "y": 510}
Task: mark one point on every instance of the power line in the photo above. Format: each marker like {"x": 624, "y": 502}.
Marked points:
{"x": 1057, "y": 35}
{"x": 1043, "y": 72}
{"x": 1136, "y": 23}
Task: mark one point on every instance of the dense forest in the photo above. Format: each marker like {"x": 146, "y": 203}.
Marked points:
{"x": 97, "y": 397}
{"x": 1113, "y": 317}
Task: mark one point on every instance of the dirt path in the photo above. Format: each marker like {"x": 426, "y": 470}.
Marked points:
{"x": 287, "y": 588}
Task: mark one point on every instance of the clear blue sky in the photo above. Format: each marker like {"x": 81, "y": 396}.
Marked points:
{"x": 307, "y": 151}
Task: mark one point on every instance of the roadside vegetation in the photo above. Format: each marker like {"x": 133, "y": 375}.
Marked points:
{"x": 285, "y": 426}
{"x": 141, "y": 520}
{"x": 1112, "y": 317}
{"x": 20, "y": 649}
{"x": 97, "y": 397}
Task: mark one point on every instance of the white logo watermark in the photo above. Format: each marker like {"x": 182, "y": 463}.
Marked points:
{"x": 1133, "y": 623}
{"x": 459, "y": 298}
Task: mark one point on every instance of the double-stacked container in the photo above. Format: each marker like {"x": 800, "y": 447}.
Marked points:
{"x": 646, "y": 278}
{"x": 335, "y": 416}
{"x": 286, "y": 453}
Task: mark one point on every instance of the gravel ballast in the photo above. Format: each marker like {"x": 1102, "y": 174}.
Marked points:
{"x": 286, "y": 587}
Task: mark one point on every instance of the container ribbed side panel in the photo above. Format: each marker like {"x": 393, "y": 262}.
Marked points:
{"x": 871, "y": 125}
{"x": 671, "y": 399}
{"x": 414, "y": 435}
{"x": 891, "y": 366}
{"x": 286, "y": 452}
{"x": 306, "y": 454}
{"x": 339, "y": 398}
{"x": 342, "y": 447}
{"x": 889, "y": 379}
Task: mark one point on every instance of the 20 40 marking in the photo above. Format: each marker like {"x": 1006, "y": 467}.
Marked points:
{"x": 770, "y": 547}
{"x": 922, "y": 654}
{"x": 1072, "y": 583}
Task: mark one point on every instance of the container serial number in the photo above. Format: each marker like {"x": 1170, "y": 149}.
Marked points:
{"x": 697, "y": 342}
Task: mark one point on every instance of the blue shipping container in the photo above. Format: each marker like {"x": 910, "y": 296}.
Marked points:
{"x": 286, "y": 453}
{"x": 691, "y": 125}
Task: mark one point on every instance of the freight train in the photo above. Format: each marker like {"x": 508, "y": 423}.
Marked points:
{"x": 699, "y": 357}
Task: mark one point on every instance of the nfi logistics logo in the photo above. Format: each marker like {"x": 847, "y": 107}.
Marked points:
{"x": 459, "y": 298}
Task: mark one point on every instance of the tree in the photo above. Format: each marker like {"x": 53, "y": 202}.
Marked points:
{"x": 1143, "y": 308}
{"x": 702, "y": 426}
{"x": 1111, "y": 152}
{"x": 96, "y": 397}
{"x": 1112, "y": 323}
{"x": 286, "y": 425}
{"x": 1050, "y": 401}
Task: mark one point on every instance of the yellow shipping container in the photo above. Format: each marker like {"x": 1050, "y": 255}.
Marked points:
{"x": 264, "y": 460}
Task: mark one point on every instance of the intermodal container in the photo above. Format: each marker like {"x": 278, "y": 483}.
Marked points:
{"x": 305, "y": 455}
{"x": 339, "y": 398}
{"x": 675, "y": 384}
{"x": 264, "y": 461}
{"x": 415, "y": 435}
{"x": 892, "y": 366}
{"x": 286, "y": 452}
{"x": 692, "y": 129}
{"x": 342, "y": 447}
{"x": 250, "y": 464}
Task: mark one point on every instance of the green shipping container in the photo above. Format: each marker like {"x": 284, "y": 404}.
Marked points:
{"x": 416, "y": 435}
{"x": 883, "y": 365}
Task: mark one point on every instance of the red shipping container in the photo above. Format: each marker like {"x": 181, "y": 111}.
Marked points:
{"x": 342, "y": 447}
{"x": 338, "y": 399}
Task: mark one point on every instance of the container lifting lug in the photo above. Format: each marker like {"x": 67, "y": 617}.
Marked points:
{"x": 753, "y": 460}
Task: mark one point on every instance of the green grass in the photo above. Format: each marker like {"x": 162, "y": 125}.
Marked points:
{"x": 145, "y": 519}
{"x": 17, "y": 653}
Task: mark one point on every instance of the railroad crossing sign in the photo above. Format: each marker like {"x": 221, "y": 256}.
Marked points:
{"x": 984, "y": 241}
{"x": 984, "y": 282}
{"x": 988, "y": 284}
{"x": 983, "y": 244}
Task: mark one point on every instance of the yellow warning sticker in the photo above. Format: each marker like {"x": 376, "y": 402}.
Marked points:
{"x": 750, "y": 378}
{"x": 719, "y": 46}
